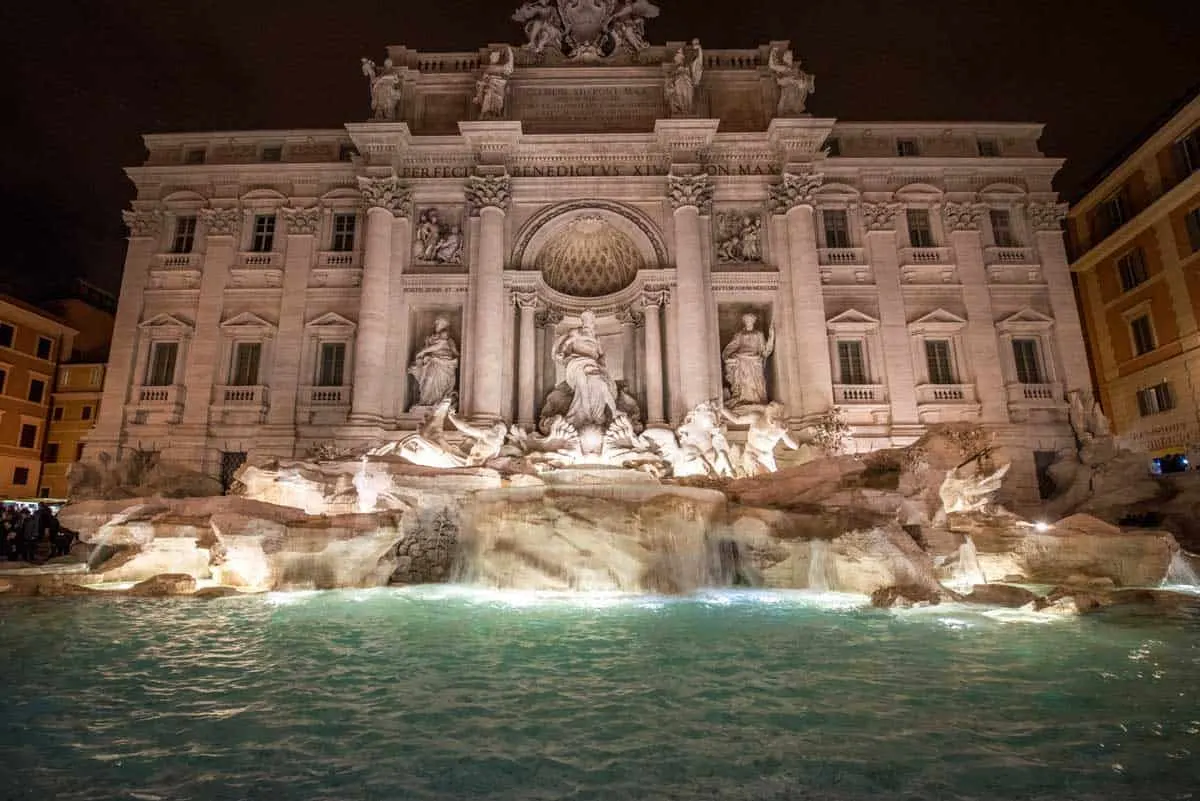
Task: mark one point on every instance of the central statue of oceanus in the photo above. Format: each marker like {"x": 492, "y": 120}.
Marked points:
{"x": 586, "y": 29}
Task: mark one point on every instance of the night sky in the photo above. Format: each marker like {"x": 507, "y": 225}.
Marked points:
{"x": 84, "y": 79}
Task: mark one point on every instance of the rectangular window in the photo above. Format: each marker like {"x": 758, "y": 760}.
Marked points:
{"x": 907, "y": 147}
{"x": 1132, "y": 267}
{"x": 37, "y": 390}
{"x": 920, "y": 230}
{"x": 1155, "y": 399}
{"x": 837, "y": 228}
{"x": 1029, "y": 363}
{"x": 1002, "y": 232}
{"x": 1143, "y": 335}
{"x": 85, "y": 413}
{"x": 264, "y": 233}
{"x": 1187, "y": 154}
{"x": 7, "y": 333}
{"x": 1193, "y": 228}
{"x": 833, "y": 146}
{"x": 1114, "y": 212}
{"x": 185, "y": 234}
{"x": 272, "y": 153}
{"x": 988, "y": 148}
{"x": 343, "y": 231}
{"x": 940, "y": 361}
{"x": 51, "y": 453}
{"x": 58, "y": 412}
{"x": 332, "y": 364}
{"x": 45, "y": 347}
{"x": 162, "y": 364}
{"x": 194, "y": 156}
{"x": 79, "y": 452}
{"x": 3, "y": 379}
{"x": 246, "y": 358}
{"x": 21, "y": 475}
{"x": 29, "y": 434}
{"x": 851, "y": 367}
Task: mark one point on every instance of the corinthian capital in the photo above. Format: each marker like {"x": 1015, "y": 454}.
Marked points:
{"x": 386, "y": 193}
{"x": 690, "y": 190}
{"x": 302, "y": 221}
{"x": 221, "y": 222}
{"x": 1046, "y": 216}
{"x": 962, "y": 216}
{"x": 143, "y": 223}
{"x": 881, "y": 216}
{"x": 795, "y": 189}
{"x": 488, "y": 191}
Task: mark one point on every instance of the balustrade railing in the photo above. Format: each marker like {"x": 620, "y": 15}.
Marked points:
{"x": 858, "y": 393}
{"x": 242, "y": 396}
{"x": 1034, "y": 393}
{"x": 924, "y": 256}
{"x": 259, "y": 259}
{"x": 1009, "y": 255}
{"x": 842, "y": 257}
{"x": 337, "y": 258}
{"x": 945, "y": 393}
{"x": 328, "y": 396}
{"x": 177, "y": 261}
{"x": 156, "y": 395}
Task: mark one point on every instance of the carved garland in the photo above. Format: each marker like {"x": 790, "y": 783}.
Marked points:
{"x": 302, "y": 221}
{"x": 881, "y": 216}
{"x": 488, "y": 192}
{"x": 962, "y": 216}
{"x": 143, "y": 223}
{"x": 1047, "y": 216}
{"x": 386, "y": 193}
{"x": 795, "y": 189}
{"x": 221, "y": 222}
{"x": 690, "y": 190}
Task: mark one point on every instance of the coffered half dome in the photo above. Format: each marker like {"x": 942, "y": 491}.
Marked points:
{"x": 589, "y": 258}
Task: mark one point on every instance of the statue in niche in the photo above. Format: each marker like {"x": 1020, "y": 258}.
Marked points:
{"x": 435, "y": 367}
{"x": 683, "y": 77}
{"x": 492, "y": 87}
{"x": 543, "y": 25}
{"x": 594, "y": 393}
{"x": 385, "y": 89}
{"x": 438, "y": 243}
{"x": 744, "y": 243}
{"x": 766, "y": 432}
{"x": 795, "y": 85}
{"x": 745, "y": 363}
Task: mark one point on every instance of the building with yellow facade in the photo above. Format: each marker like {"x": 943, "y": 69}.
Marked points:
{"x": 1136, "y": 246}
{"x": 31, "y": 342}
{"x": 77, "y": 390}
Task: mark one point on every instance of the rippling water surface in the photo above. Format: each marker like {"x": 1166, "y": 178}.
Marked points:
{"x": 446, "y": 694}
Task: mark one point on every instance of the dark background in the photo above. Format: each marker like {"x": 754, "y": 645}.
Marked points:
{"x": 82, "y": 80}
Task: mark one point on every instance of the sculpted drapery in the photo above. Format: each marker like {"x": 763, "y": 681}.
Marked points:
{"x": 582, "y": 356}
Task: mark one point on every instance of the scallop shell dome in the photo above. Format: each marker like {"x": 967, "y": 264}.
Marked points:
{"x": 589, "y": 258}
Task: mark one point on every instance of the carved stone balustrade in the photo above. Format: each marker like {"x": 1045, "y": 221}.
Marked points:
{"x": 254, "y": 259}
{"x": 924, "y": 256}
{"x": 859, "y": 393}
{"x": 1009, "y": 255}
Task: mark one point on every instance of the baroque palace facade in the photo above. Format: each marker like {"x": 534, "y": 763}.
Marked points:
{"x": 285, "y": 289}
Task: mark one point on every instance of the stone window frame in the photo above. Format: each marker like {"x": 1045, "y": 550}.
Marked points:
{"x": 944, "y": 325}
{"x": 839, "y": 197}
{"x": 47, "y": 387}
{"x": 1028, "y": 324}
{"x": 342, "y": 201}
{"x": 923, "y": 197}
{"x": 854, "y": 325}
{"x": 330, "y": 327}
{"x": 5, "y": 373}
{"x": 1143, "y": 309}
{"x": 38, "y": 428}
{"x": 248, "y": 328}
{"x": 174, "y": 206}
{"x": 162, "y": 328}
{"x": 1014, "y": 200}
{"x": 261, "y": 202}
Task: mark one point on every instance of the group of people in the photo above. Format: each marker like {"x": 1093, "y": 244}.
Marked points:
{"x": 23, "y": 531}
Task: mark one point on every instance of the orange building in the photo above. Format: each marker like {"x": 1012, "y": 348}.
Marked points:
{"x": 31, "y": 343}
{"x": 1136, "y": 243}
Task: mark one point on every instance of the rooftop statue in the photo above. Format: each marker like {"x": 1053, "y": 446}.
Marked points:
{"x": 795, "y": 85}
{"x": 683, "y": 78}
{"x": 385, "y": 89}
{"x": 586, "y": 29}
{"x": 492, "y": 87}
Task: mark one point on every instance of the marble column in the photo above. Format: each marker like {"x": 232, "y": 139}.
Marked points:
{"x": 488, "y": 198}
{"x": 691, "y": 196}
{"x": 1046, "y": 219}
{"x": 145, "y": 228}
{"x": 302, "y": 228}
{"x": 793, "y": 199}
{"x": 223, "y": 227}
{"x": 526, "y": 303}
{"x": 652, "y": 302}
{"x": 385, "y": 200}
{"x": 879, "y": 219}
{"x": 962, "y": 220}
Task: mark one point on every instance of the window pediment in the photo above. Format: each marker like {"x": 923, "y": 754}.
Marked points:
{"x": 166, "y": 323}
{"x": 1026, "y": 320}
{"x": 248, "y": 324}
{"x": 331, "y": 323}
{"x": 938, "y": 321}
{"x": 852, "y": 321}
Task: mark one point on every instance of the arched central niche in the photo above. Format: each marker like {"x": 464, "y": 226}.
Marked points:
{"x": 589, "y": 257}
{"x": 589, "y": 248}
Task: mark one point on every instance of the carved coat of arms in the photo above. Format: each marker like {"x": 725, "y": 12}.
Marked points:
{"x": 586, "y": 29}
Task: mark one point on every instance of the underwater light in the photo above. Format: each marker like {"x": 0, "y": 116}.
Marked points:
{"x": 1041, "y": 526}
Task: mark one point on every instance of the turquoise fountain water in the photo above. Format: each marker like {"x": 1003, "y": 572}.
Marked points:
{"x": 448, "y": 693}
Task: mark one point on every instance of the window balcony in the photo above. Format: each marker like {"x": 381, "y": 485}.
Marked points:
{"x": 842, "y": 257}
{"x": 242, "y": 396}
{"x": 255, "y": 259}
{"x": 337, "y": 258}
{"x": 177, "y": 261}
{"x": 1035, "y": 394}
{"x": 1009, "y": 255}
{"x": 947, "y": 403}
{"x": 160, "y": 396}
{"x": 918, "y": 257}
{"x": 859, "y": 393}
{"x": 945, "y": 393}
{"x": 325, "y": 396}
{"x": 157, "y": 404}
